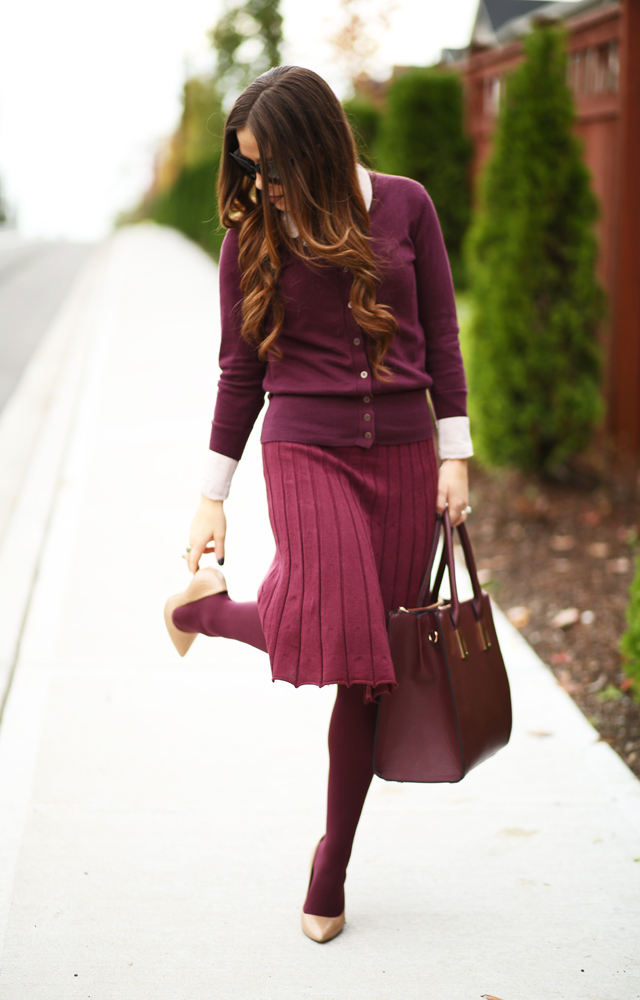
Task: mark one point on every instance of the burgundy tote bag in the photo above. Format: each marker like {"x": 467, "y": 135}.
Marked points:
{"x": 452, "y": 707}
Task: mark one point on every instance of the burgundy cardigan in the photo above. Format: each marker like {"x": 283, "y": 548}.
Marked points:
{"x": 322, "y": 390}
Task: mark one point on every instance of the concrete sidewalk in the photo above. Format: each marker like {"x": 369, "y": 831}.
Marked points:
{"x": 156, "y": 815}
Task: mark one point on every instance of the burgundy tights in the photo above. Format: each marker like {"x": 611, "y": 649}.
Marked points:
{"x": 219, "y": 615}
{"x": 351, "y": 736}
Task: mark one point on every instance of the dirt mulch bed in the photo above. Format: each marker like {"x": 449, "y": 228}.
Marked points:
{"x": 544, "y": 548}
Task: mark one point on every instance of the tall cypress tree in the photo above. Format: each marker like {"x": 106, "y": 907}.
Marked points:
{"x": 189, "y": 202}
{"x": 422, "y": 136}
{"x": 257, "y": 22}
{"x": 534, "y": 358}
{"x": 364, "y": 118}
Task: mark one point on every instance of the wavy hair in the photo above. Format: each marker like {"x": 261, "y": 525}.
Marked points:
{"x": 298, "y": 122}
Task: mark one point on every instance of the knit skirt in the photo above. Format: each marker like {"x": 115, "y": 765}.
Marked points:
{"x": 353, "y": 528}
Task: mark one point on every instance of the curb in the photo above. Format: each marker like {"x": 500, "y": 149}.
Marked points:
{"x": 599, "y": 757}
{"x": 34, "y": 433}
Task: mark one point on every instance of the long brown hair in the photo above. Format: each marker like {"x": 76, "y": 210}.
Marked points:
{"x": 298, "y": 122}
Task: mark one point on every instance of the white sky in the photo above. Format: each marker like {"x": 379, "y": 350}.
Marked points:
{"x": 87, "y": 90}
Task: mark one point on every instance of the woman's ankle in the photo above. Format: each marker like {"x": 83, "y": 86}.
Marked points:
{"x": 325, "y": 896}
{"x": 199, "y": 616}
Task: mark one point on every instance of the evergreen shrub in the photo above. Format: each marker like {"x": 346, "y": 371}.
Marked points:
{"x": 534, "y": 359}
{"x": 630, "y": 642}
{"x": 191, "y": 205}
{"x": 364, "y": 118}
{"x": 422, "y": 136}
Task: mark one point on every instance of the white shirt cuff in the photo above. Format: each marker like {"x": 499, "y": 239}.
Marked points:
{"x": 218, "y": 473}
{"x": 454, "y": 439}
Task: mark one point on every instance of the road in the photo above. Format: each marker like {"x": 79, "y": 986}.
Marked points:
{"x": 35, "y": 277}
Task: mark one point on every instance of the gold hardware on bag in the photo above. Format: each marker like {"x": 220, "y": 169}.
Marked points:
{"x": 433, "y": 637}
{"x": 484, "y": 635}
{"x": 462, "y": 646}
{"x": 439, "y": 603}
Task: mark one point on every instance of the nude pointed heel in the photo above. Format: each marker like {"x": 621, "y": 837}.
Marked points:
{"x": 204, "y": 583}
{"x": 321, "y": 929}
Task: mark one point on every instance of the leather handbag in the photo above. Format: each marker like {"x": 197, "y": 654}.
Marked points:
{"x": 452, "y": 707}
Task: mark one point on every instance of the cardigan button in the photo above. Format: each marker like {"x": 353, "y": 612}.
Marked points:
{"x": 366, "y": 399}
{"x": 364, "y": 374}
{"x": 367, "y": 434}
{"x": 345, "y": 268}
{"x": 356, "y": 341}
{"x": 367, "y": 416}
{"x": 349, "y": 306}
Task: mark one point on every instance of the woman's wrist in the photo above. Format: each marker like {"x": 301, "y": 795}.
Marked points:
{"x": 208, "y": 503}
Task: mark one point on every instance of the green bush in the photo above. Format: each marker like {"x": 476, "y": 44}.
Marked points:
{"x": 422, "y": 136}
{"x": 534, "y": 358}
{"x": 364, "y": 118}
{"x": 191, "y": 205}
{"x": 630, "y": 642}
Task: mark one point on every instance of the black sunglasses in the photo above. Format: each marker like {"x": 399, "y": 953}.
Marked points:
{"x": 252, "y": 169}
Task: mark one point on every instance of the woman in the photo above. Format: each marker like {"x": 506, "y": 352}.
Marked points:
{"x": 336, "y": 300}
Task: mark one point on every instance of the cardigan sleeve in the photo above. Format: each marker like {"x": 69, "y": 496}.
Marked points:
{"x": 437, "y": 313}
{"x": 240, "y": 393}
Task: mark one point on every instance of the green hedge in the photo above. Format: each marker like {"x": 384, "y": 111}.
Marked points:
{"x": 630, "y": 642}
{"x": 364, "y": 118}
{"x": 422, "y": 136}
{"x": 534, "y": 358}
{"x": 191, "y": 205}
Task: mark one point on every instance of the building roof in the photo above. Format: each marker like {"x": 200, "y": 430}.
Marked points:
{"x": 501, "y": 11}
{"x": 500, "y": 21}
{"x": 492, "y": 14}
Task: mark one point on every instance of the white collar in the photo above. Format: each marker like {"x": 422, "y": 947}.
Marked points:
{"x": 367, "y": 193}
{"x": 365, "y": 185}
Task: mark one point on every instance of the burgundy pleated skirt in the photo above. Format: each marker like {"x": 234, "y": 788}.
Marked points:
{"x": 353, "y": 528}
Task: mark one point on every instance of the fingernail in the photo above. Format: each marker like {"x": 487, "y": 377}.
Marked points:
{"x": 221, "y": 561}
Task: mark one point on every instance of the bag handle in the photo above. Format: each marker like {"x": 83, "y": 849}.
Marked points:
{"x": 426, "y": 579}
{"x": 447, "y": 561}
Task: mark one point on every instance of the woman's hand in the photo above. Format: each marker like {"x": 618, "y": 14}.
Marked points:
{"x": 453, "y": 489}
{"x": 209, "y": 525}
